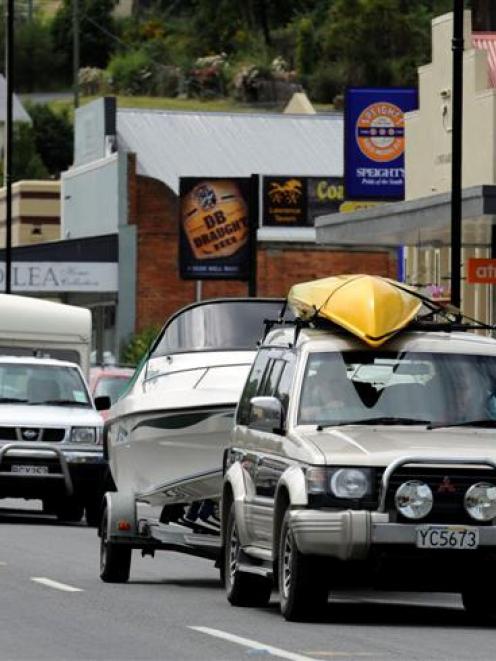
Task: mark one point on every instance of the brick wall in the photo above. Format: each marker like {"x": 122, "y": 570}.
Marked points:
{"x": 160, "y": 291}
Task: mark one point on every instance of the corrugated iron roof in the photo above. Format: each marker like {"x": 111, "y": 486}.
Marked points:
{"x": 171, "y": 144}
{"x": 487, "y": 41}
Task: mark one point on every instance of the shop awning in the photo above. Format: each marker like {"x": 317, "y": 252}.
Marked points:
{"x": 422, "y": 222}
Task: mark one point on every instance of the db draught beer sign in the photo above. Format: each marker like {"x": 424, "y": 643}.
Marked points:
{"x": 375, "y": 142}
{"x": 214, "y": 236}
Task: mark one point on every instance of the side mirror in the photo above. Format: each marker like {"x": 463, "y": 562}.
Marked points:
{"x": 266, "y": 414}
{"x": 102, "y": 403}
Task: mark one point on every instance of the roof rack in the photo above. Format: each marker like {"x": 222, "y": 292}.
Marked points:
{"x": 452, "y": 320}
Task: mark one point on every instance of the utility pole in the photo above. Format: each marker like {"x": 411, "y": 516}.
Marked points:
{"x": 75, "y": 51}
{"x": 456, "y": 152}
{"x": 9, "y": 69}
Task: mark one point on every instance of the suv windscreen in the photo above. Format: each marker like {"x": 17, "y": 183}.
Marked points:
{"x": 37, "y": 384}
{"x": 438, "y": 388}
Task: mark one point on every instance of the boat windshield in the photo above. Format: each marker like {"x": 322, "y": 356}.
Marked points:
{"x": 387, "y": 387}
{"x": 219, "y": 325}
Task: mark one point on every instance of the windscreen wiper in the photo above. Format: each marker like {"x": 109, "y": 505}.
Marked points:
{"x": 464, "y": 423}
{"x": 12, "y": 400}
{"x": 385, "y": 420}
{"x": 60, "y": 402}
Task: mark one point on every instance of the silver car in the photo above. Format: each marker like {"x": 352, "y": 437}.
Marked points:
{"x": 358, "y": 467}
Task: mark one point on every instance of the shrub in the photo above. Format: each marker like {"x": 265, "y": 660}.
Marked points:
{"x": 131, "y": 73}
{"x": 138, "y": 345}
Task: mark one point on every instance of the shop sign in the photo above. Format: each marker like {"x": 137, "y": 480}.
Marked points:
{"x": 62, "y": 277}
{"x": 481, "y": 271}
{"x": 214, "y": 228}
{"x": 375, "y": 142}
{"x": 285, "y": 201}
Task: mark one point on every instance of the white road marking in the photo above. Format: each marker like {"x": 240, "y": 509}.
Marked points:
{"x": 55, "y": 584}
{"x": 253, "y": 644}
{"x": 2, "y": 563}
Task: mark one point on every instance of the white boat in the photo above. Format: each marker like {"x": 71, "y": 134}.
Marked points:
{"x": 166, "y": 435}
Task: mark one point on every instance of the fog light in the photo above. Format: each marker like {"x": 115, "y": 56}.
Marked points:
{"x": 413, "y": 499}
{"x": 480, "y": 501}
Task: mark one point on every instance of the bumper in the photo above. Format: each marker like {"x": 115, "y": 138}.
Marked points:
{"x": 28, "y": 471}
{"x": 350, "y": 534}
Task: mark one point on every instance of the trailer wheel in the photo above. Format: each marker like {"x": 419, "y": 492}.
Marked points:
{"x": 242, "y": 588}
{"x": 115, "y": 559}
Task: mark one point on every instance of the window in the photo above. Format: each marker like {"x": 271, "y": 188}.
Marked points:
{"x": 283, "y": 387}
{"x": 252, "y": 386}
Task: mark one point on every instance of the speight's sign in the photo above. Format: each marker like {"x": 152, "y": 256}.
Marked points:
{"x": 214, "y": 228}
{"x": 375, "y": 142}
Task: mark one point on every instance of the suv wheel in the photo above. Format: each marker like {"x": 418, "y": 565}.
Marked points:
{"x": 93, "y": 512}
{"x": 303, "y": 587}
{"x": 71, "y": 511}
{"x": 479, "y": 604}
{"x": 115, "y": 559}
{"x": 242, "y": 588}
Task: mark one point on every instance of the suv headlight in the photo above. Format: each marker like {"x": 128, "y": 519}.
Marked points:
{"x": 83, "y": 435}
{"x": 350, "y": 483}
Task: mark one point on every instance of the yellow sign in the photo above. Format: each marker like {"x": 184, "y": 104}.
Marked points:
{"x": 350, "y": 207}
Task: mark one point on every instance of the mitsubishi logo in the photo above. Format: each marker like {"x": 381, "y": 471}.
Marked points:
{"x": 446, "y": 486}
{"x": 29, "y": 434}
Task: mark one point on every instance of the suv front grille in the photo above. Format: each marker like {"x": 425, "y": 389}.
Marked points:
{"x": 8, "y": 434}
{"x": 32, "y": 434}
{"x": 448, "y": 488}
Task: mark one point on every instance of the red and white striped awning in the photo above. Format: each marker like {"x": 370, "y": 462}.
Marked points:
{"x": 487, "y": 41}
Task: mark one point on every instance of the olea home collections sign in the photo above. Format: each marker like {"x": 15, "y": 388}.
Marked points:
{"x": 216, "y": 222}
{"x": 375, "y": 142}
{"x": 62, "y": 276}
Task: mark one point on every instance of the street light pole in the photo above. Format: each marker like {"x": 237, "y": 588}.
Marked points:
{"x": 9, "y": 69}
{"x": 456, "y": 152}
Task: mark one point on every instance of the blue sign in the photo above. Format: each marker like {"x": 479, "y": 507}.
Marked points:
{"x": 374, "y": 145}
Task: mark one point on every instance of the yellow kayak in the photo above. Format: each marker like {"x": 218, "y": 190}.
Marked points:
{"x": 371, "y": 307}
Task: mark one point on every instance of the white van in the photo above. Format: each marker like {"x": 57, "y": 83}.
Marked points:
{"x": 36, "y": 327}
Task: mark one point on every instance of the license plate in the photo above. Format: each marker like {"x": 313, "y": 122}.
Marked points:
{"x": 28, "y": 469}
{"x": 447, "y": 537}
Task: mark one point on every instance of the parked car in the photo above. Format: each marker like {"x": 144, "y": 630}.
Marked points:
{"x": 50, "y": 437}
{"x": 109, "y": 381}
{"x": 363, "y": 464}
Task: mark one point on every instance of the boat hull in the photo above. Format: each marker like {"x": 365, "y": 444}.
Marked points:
{"x": 170, "y": 456}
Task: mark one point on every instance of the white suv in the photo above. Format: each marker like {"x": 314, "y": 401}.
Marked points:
{"x": 50, "y": 437}
{"x": 359, "y": 466}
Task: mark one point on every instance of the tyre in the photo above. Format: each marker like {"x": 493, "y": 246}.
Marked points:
{"x": 69, "y": 511}
{"x": 242, "y": 588}
{"x": 479, "y": 604}
{"x": 303, "y": 586}
{"x": 93, "y": 511}
{"x": 115, "y": 559}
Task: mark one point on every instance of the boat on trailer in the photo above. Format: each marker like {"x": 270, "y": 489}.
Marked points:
{"x": 166, "y": 435}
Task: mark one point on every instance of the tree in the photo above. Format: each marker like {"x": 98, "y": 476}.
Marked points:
{"x": 53, "y": 138}
{"x": 96, "y": 25}
{"x": 26, "y": 162}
